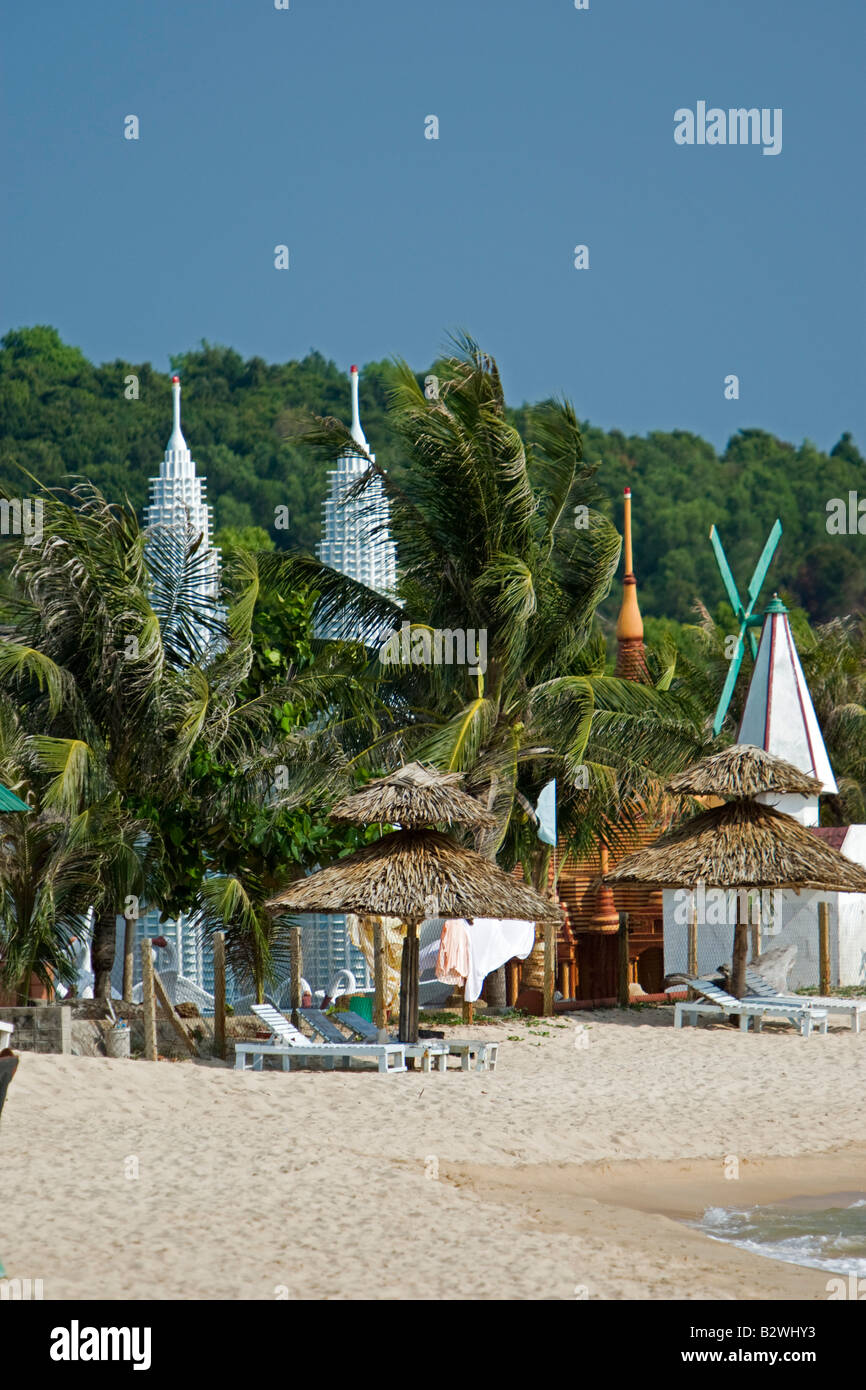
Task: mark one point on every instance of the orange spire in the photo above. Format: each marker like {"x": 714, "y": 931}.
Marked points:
{"x": 630, "y": 659}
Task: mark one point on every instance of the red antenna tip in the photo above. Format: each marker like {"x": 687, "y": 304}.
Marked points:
{"x": 353, "y": 368}
{"x": 175, "y": 378}
{"x": 626, "y": 492}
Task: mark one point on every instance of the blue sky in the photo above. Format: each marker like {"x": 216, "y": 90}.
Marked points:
{"x": 305, "y": 127}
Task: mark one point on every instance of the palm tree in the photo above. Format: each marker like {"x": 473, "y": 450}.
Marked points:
{"x": 46, "y": 874}
{"x": 499, "y": 534}
{"x": 834, "y": 664}
{"x": 104, "y": 647}
{"x": 93, "y": 646}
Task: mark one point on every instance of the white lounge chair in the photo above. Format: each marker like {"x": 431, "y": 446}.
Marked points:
{"x": 289, "y": 1044}
{"x": 484, "y": 1054}
{"x": 432, "y": 1054}
{"x": 762, "y": 988}
{"x": 6, "y": 1031}
{"x": 721, "y": 1004}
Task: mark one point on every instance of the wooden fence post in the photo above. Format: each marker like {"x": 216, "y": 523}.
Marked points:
{"x": 824, "y": 946}
{"x": 380, "y": 1012}
{"x": 219, "y": 994}
{"x": 148, "y": 1000}
{"x": 622, "y": 992}
{"x": 295, "y": 977}
{"x": 172, "y": 1015}
{"x": 128, "y": 957}
{"x": 549, "y": 965}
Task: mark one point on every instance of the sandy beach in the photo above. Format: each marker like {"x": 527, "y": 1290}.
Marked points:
{"x": 567, "y": 1173}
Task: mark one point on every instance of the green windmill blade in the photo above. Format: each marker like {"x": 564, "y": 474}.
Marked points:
{"x": 725, "y": 571}
{"x": 745, "y": 612}
{"x": 10, "y": 802}
{"x": 757, "y": 581}
{"x": 728, "y": 687}
{"x": 764, "y": 564}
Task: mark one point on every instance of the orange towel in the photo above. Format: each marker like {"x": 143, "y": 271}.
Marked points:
{"x": 452, "y": 965}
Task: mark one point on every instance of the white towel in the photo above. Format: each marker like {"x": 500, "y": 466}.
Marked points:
{"x": 493, "y": 941}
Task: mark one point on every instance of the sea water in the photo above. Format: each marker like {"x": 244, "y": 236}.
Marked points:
{"x": 827, "y": 1232}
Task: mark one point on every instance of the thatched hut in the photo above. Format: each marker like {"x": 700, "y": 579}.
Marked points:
{"x": 414, "y": 873}
{"x": 414, "y": 796}
{"x": 743, "y": 771}
{"x": 742, "y": 845}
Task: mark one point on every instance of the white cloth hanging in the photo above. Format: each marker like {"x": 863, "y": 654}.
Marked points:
{"x": 493, "y": 941}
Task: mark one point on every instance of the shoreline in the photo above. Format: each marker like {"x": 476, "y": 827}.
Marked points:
{"x": 682, "y": 1188}
{"x": 658, "y": 1198}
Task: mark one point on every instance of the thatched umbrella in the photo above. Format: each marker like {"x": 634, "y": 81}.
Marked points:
{"x": 414, "y": 874}
{"x": 743, "y": 770}
{"x": 742, "y": 844}
{"x": 414, "y": 796}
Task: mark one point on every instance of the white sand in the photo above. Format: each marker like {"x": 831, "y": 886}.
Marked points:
{"x": 325, "y": 1183}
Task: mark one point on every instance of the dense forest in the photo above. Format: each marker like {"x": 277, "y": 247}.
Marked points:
{"x": 61, "y": 416}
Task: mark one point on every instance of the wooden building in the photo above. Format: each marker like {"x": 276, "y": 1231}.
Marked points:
{"x": 587, "y": 951}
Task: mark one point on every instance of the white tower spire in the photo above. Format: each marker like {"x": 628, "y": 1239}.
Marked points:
{"x": 357, "y": 433}
{"x": 355, "y": 539}
{"x": 177, "y": 504}
{"x": 176, "y": 443}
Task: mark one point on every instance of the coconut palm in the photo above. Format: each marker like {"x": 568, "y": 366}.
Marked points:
{"x": 500, "y": 534}
{"x": 104, "y": 652}
{"x": 834, "y": 664}
{"x": 46, "y": 874}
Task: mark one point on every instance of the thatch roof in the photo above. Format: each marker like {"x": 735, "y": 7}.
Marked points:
{"x": 743, "y": 770}
{"x": 414, "y": 796}
{"x": 742, "y": 844}
{"x": 413, "y": 874}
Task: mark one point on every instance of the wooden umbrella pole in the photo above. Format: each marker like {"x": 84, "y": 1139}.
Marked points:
{"x": 405, "y": 976}
{"x": 741, "y": 947}
{"x": 692, "y": 963}
{"x": 824, "y": 947}
{"x": 414, "y": 950}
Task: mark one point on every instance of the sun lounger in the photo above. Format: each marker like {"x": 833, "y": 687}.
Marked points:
{"x": 289, "y": 1044}
{"x": 853, "y": 1008}
{"x": 8, "y": 1068}
{"x": 430, "y": 1054}
{"x": 483, "y": 1053}
{"x": 721, "y": 1004}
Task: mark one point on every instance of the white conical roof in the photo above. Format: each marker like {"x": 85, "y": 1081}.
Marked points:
{"x": 779, "y": 715}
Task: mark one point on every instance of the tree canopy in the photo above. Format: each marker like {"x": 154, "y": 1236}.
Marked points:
{"x": 61, "y": 415}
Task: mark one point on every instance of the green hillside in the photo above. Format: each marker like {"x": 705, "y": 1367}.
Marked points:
{"x": 61, "y": 415}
